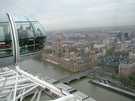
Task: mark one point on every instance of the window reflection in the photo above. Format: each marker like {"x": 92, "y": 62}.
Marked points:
{"x": 40, "y": 36}
{"x": 5, "y": 40}
{"x": 31, "y": 36}
{"x": 26, "y": 37}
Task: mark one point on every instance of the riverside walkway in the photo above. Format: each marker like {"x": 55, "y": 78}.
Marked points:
{"x": 122, "y": 91}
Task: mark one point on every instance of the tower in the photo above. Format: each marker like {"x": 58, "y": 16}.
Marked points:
{"x": 60, "y": 44}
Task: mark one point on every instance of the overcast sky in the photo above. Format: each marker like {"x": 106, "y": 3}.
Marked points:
{"x": 65, "y": 14}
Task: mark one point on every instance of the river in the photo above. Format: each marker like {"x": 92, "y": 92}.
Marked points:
{"x": 46, "y": 69}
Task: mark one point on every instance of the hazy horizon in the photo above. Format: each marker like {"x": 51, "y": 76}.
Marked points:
{"x": 71, "y": 14}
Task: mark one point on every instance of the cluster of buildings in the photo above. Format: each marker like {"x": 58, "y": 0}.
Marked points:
{"x": 77, "y": 52}
{"x": 124, "y": 46}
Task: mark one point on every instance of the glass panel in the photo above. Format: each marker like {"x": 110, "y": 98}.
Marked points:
{"x": 5, "y": 39}
{"x": 40, "y": 36}
{"x": 26, "y": 37}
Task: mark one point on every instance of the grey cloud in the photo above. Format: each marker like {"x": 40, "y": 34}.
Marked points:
{"x": 60, "y": 14}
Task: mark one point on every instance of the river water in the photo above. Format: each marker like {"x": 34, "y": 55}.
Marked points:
{"x": 46, "y": 69}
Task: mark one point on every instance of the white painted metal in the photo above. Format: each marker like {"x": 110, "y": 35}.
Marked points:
{"x": 14, "y": 39}
{"x": 15, "y": 91}
{"x": 67, "y": 98}
{"x": 41, "y": 83}
{"x": 39, "y": 95}
{"x": 34, "y": 96}
{"x": 12, "y": 82}
{"x": 28, "y": 91}
{"x": 20, "y": 84}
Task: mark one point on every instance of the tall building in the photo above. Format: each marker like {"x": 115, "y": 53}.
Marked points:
{"x": 60, "y": 44}
{"x": 92, "y": 56}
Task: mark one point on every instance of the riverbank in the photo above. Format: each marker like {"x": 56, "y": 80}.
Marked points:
{"x": 66, "y": 63}
{"x": 116, "y": 89}
{"x": 97, "y": 92}
{"x": 45, "y": 69}
{"x": 80, "y": 75}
